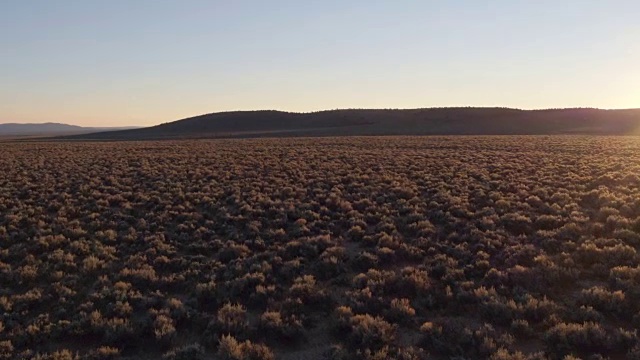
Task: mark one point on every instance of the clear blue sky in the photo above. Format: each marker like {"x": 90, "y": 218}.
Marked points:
{"x": 142, "y": 62}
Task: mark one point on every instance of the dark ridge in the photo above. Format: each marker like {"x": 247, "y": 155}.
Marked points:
{"x": 354, "y": 122}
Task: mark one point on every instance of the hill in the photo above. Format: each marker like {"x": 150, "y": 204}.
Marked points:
{"x": 432, "y": 121}
{"x": 50, "y": 129}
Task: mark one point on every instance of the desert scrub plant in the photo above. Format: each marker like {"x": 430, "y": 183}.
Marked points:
{"x": 105, "y": 353}
{"x": 63, "y": 354}
{"x": 370, "y": 332}
{"x": 280, "y": 328}
{"x": 231, "y": 349}
{"x": 400, "y": 310}
{"x": 603, "y": 300}
{"x": 333, "y": 262}
{"x": 164, "y": 328}
{"x": 364, "y": 261}
{"x": 206, "y": 294}
{"x": 263, "y": 295}
{"x": 586, "y": 338}
{"x": 193, "y": 351}
{"x": 6, "y": 349}
{"x": 584, "y": 314}
{"x": 342, "y": 319}
{"x": 411, "y": 282}
{"x": 244, "y": 286}
{"x": 305, "y": 289}
{"x": 233, "y": 251}
{"x": 505, "y": 354}
{"x": 521, "y": 328}
{"x": 229, "y": 319}
{"x": 516, "y": 223}
{"x": 389, "y": 352}
{"x": 453, "y": 338}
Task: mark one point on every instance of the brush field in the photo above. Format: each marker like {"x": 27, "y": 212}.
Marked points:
{"x": 499, "y": 248}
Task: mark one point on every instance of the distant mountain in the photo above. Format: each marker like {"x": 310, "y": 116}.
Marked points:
{"x": 432, "y": 121}
{"x": 50, "y": 129}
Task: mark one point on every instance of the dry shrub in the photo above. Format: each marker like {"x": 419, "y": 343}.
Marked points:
{"x": 187, "y": 352}
{"x": 401, "y": 311}
{"x": 230, "y": 318}
{"x": 230, "y": 349}
{"x": 279, "y": 327}
{"x": 370, "y": 332}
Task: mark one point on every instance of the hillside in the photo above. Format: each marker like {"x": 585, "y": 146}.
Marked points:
{"x": 433, "y": 121}
{"x": 50, "y": 129}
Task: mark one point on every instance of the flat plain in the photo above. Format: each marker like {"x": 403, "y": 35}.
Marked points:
{"x": 501, "y": 247}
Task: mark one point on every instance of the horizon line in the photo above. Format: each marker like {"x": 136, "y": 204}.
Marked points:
{"x": 329, "y": 110}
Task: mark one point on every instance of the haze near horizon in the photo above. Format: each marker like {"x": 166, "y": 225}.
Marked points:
{"x": 119, "y": 63}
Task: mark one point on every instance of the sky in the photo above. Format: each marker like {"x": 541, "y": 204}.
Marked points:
{"x": 144, "y": 62}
